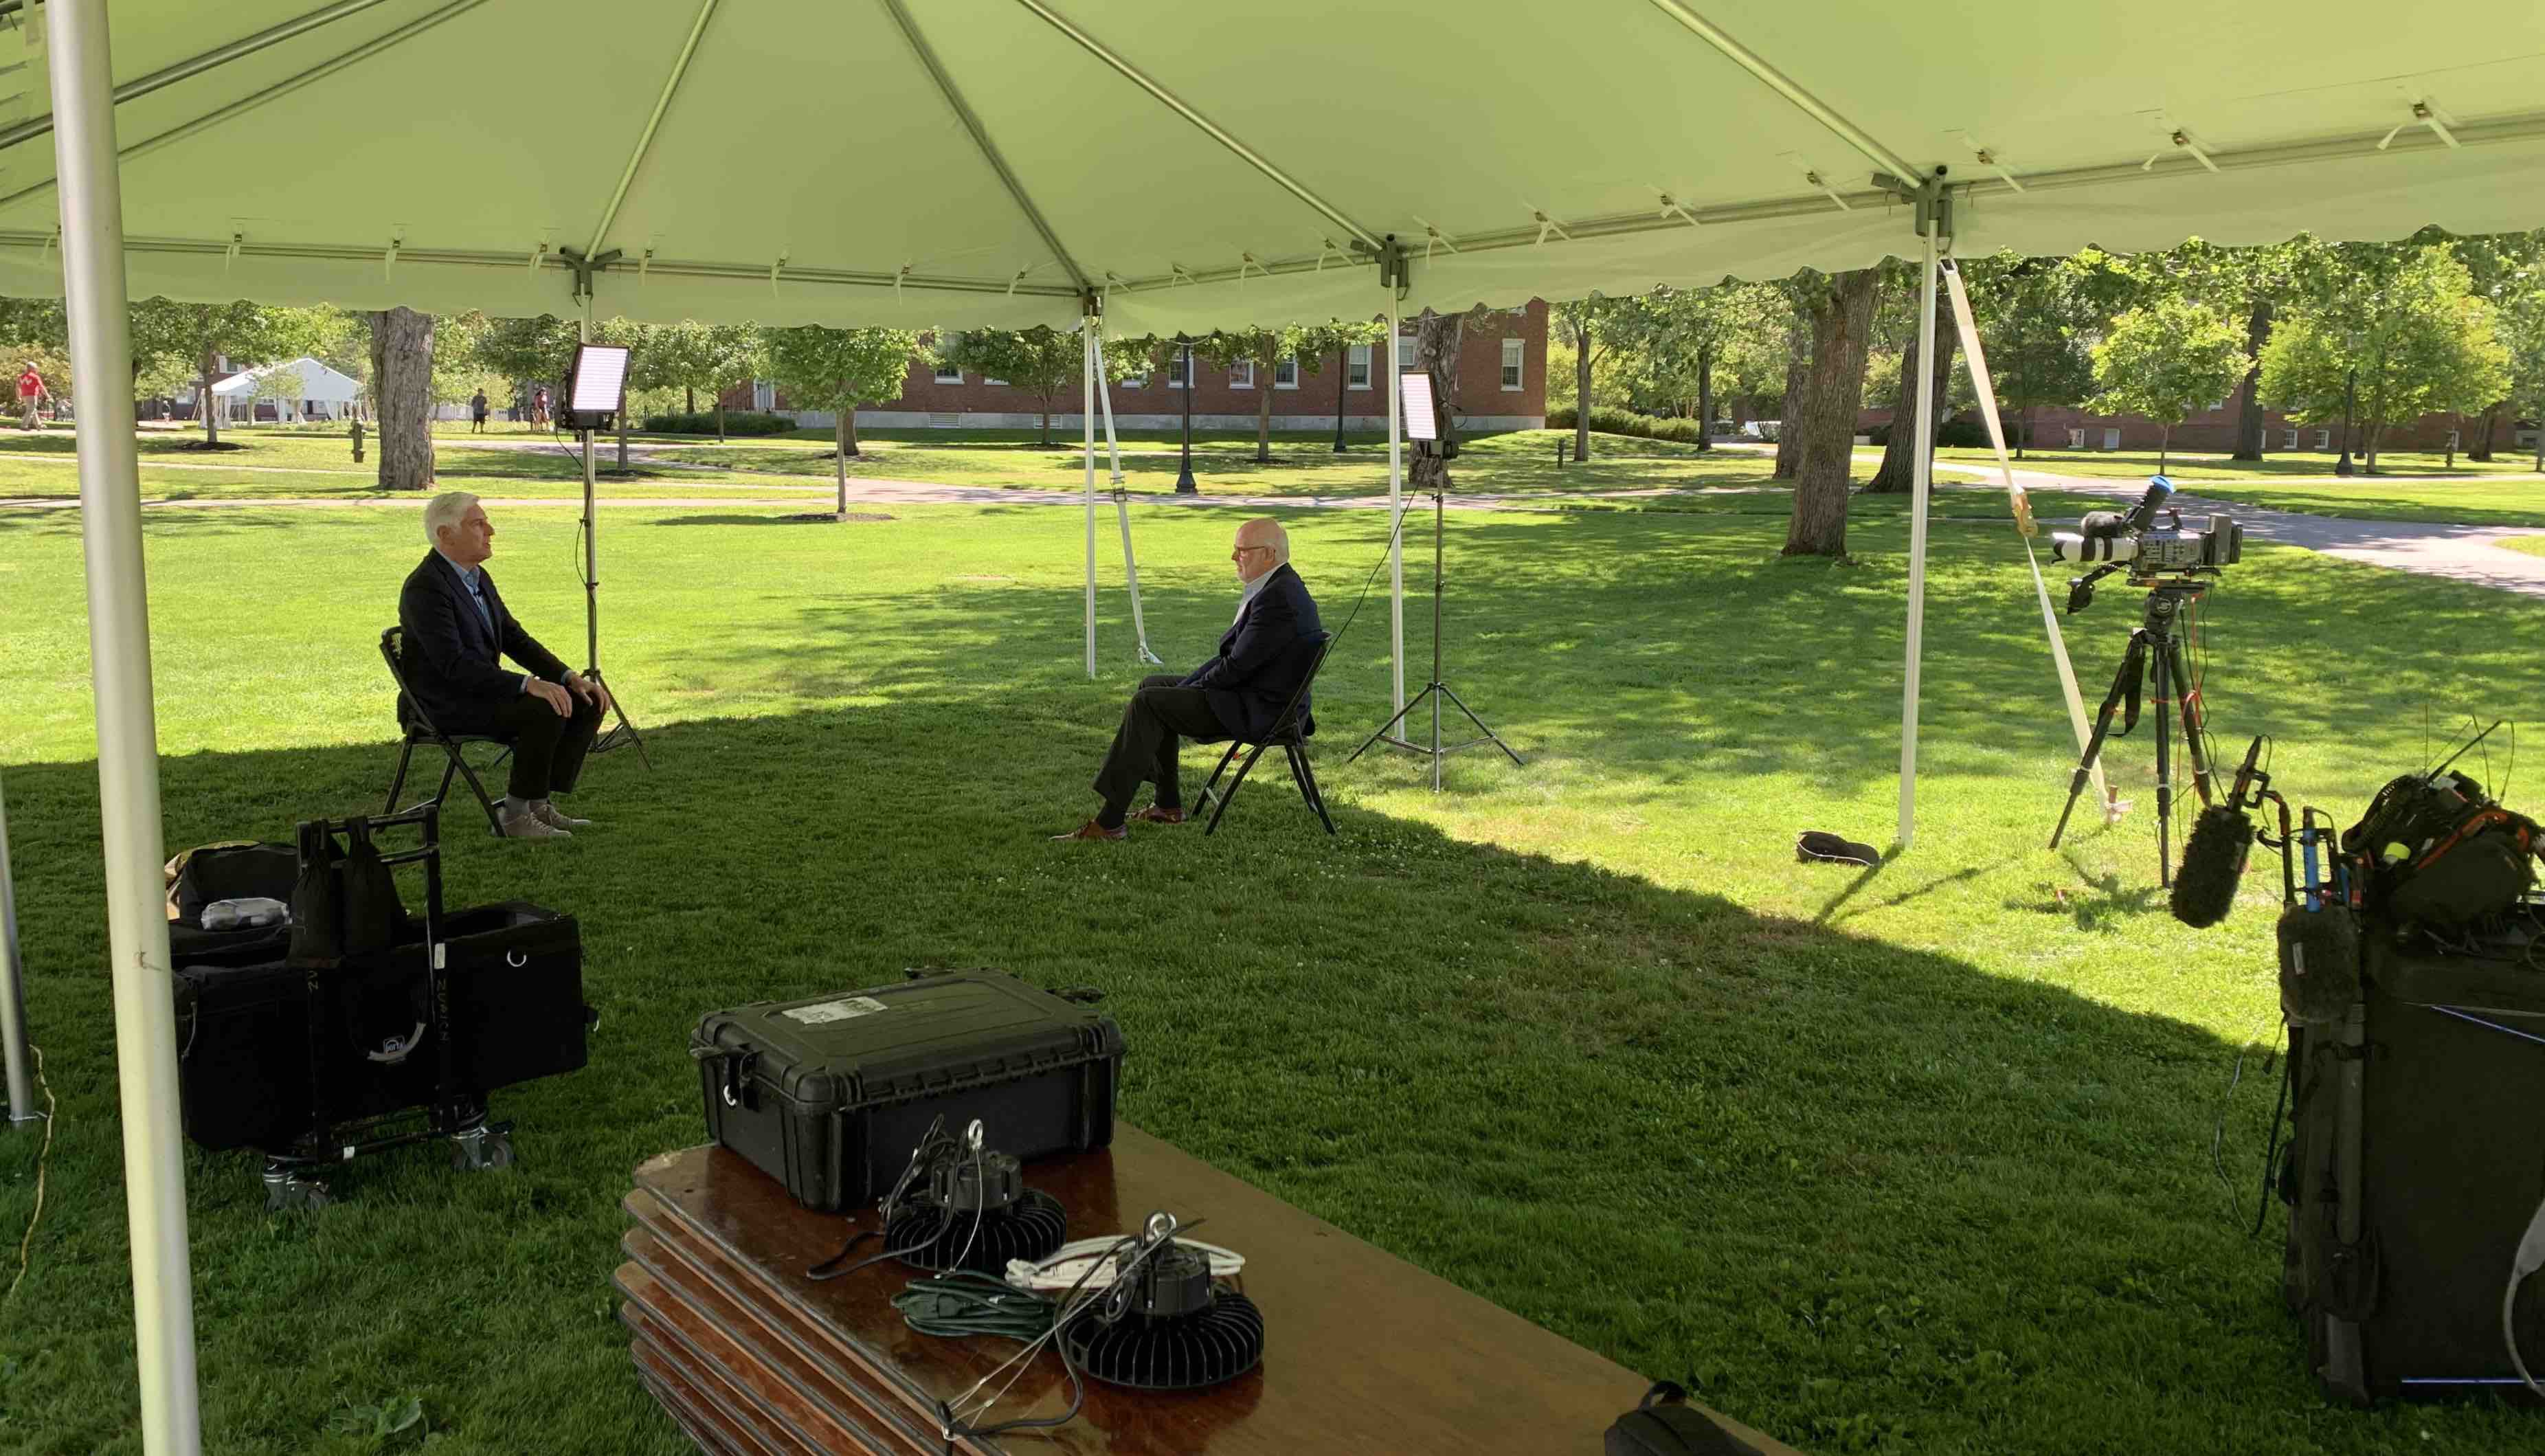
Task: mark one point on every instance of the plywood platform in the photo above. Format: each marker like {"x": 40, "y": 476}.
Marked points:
{"x": 1365, "y": 1353}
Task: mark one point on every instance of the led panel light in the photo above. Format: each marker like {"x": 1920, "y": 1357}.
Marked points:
{"x": 598, "y": 383}
{"x": 1420, "y": 421}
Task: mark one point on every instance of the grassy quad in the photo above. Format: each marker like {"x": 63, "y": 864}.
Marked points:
{"x": 1911, "y": 1160}
{"x": 2199, "y": 465}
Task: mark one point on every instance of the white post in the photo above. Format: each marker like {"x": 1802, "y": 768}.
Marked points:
{"x": 1395, "y": 510}
{"x": 1086, "y": 425}
{"x": 12, "y": 990}
{"x": 128, "y": 734}
{"x": 1112, "y": 446}
{"x": 1122, "y": 511}
{"x": 1918, "y": 471}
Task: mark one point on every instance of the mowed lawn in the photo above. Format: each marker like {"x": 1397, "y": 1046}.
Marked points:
{"x": 1915, "y": 1160}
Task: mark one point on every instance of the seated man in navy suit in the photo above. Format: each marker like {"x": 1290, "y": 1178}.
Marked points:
{"x": 457, "y": 634}
{"x": 1239, "y": 694}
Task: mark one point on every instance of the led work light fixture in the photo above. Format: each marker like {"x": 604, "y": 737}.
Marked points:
{"x": 595, "y": 386}
{"x": 1415, "y": 389}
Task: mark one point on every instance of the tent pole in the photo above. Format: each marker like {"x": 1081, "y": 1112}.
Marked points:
{"x": 1919, "y": 473}
{"x": 12, "y": 990}
{"x": 1395, "y": 507}
{"x": 1122, "y": 511}
{"x": 1087, "y": 428}
{"x": 128, "y": 749}
{"x": 591, "y": 540}
{"x": 1105, "y": 397}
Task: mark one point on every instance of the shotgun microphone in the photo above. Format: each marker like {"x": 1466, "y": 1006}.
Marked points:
{"x": 2213, "y": 857}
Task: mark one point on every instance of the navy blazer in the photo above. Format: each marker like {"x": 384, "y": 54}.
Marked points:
{"x": 451, "y": 662}
{"x": 1256, "y": 671}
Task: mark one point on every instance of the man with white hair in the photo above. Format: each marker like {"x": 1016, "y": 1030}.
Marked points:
{"x": 458, "y": 633}
{"x": 1240, "y": 693}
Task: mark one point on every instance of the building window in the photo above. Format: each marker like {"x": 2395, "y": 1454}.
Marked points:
{"x": 1176, "y": 369}
{"x": 1286, "y": 374}
{"x": 2111, "y": 440}
{"x": 1241, "y": 375}
{"x": 2076, "y": 439}
{"x": 948, "y": 375}
{"x": 986, "y": 379}
{"x": 1513, "y": 352}
{"x": 1357, "y": 369}
{"x": 2324, "y": 440}
{"x": 2220, "y": 405}
{"x": 2290, "y": 439}
{"x": 1408, "y": 345}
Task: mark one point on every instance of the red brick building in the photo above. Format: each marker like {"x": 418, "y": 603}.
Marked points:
{"x": 2214, "y": 430}
{"x": 1501, "y": 386}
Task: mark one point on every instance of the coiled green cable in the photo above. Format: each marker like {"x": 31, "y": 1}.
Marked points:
{"x": 956, "y": 1305}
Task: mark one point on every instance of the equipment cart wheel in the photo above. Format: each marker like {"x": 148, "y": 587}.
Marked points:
{"x": 484, "y": 1145}
{"x": 285, "y": 1189}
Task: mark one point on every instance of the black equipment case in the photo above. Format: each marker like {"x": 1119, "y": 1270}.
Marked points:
{"x": 301, "y": 1061}
{"x": 830, "y": 1093}
{"x": 2417, "y": 1158}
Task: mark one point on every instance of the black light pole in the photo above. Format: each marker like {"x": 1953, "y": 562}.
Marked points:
{"x": 2349, "y": 399}
{"x": 1343, "y": 378}
{"x": 1184, "y": 479}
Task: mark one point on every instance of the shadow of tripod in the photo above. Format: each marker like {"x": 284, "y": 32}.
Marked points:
{"x": 2154, "y": 647}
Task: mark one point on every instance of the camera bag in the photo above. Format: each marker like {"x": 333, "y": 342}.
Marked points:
{"x": 829, "y": 1094}
{"x": 1664, "y": 1424}
{"x": 238, "y": 871}
{"x": 2440, "y": 852}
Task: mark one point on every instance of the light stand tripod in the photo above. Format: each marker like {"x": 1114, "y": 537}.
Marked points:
{"x": 625, "y": 733}
{"x": 2154, "y": 645}
{"x": 1437, "y": 688}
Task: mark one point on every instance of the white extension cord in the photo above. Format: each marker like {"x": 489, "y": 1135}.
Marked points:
{"x": 1074, "y": 1262}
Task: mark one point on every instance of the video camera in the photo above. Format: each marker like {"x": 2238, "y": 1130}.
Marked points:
{"x": 2131, "y": 538}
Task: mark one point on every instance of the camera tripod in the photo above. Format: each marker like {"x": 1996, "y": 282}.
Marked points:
{"x": 2153, "y": 645}
{"x": 1437, "y": 688}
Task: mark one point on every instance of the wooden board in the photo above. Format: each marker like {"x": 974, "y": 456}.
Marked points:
{"x": 1364, "y": 1353}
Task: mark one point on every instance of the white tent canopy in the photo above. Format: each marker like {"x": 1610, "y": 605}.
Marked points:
{"x": 327, "y": 389}
{"x": 1001, "y": 163}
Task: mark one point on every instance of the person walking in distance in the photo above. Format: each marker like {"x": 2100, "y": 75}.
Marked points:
{"x": 30, "y": 393}
{"x": 477, "y": 413}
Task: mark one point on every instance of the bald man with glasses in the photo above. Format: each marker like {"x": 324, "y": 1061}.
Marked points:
{"x": 1239, "y": 694}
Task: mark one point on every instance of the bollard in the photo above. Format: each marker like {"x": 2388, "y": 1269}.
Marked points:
{"x": 1561, "y": 442}
{"x": 358, "y": 440}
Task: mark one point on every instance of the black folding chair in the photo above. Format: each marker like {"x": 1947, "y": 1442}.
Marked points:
{"x": 417, "y": 726}
{"x": 1285, "y": 733}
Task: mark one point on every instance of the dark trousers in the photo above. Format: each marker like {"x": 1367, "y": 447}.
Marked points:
{"x": 1154, "y": 722}
{"x": 547, "y": 751}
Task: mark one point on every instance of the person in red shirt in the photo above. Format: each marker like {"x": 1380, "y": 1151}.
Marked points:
{"x": 30, "y": 393}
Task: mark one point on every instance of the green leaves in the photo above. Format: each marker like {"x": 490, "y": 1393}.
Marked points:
{"x": 384, "y": 1427}
{"x": 840, "y": 369}
{"x": 2407, "y": 325}
{"x": 2167, "y": 357}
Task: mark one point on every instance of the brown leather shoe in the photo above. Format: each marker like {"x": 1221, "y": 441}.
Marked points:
{"x": 1092, "y": 829}
{"x": 1156, "y": 815}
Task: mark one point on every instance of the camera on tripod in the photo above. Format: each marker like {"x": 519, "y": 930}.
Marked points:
{"x": 2132, "y": 540}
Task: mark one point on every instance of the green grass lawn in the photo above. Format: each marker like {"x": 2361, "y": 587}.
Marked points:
{"x": 2500, "y": 496}
{"x": 1914, "y": 1160}
{"x": 2532, "y": 546}
{"x": 2195, "y": 465}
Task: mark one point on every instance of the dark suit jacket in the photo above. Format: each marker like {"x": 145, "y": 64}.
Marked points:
{"x": 1257, "y": 669}
{"x": 451, "y": 662}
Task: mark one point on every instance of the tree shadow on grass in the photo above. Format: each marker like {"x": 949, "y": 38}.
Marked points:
{"x": 1871, "y": 1197}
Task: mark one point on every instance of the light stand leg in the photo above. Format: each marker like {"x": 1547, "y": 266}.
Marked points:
{"x": 625, "y": 733}
{"x": 1438, "y": 689}
{"x": 1395, "y": 510}
{"x": 13, "y": 992}
{"x": 1435, "y": 637}
{"x": 132, "y": 839}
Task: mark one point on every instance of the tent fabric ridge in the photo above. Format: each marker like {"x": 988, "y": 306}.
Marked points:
{"x": 1760, "y": 67}
{"x": 1213, "y": 131}
{"x": 194, "y": 65}
{"x": 979, "y": 130}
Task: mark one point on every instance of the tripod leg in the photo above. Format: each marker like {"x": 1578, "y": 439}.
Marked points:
{"x": 1410, "y": 706}
{"x": 609, "y": 740}
{"x": 2133, "y": 662}
{"x": 2164, "y": 687}
{"x": 2195, "y": 730}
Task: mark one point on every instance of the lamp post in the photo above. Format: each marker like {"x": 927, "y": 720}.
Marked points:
{"x": 1343, "y": 380}
{"x": 2350, "y": 400}
{"x": 1183, "y": 478}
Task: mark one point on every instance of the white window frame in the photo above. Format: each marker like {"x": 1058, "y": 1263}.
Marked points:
{"x": 1241, "y": 375}
{"x": 1288, "y": 367}
{"x": 2111, "y": 437}
{"x": 948, "y": 375}
{"x": 2324, "y": 440}
{"x": 1358, "y": 368}
{"x": 2289, "y": 438}
{"x": 1515, "y": 375}
{"x": 1176, "y": 372}
{"x": 986, "y": 379}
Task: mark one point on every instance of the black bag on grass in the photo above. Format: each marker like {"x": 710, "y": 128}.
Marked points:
{"x": 1666, "y": 1424}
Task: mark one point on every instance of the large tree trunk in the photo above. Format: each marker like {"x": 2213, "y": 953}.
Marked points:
{"x": 2023, "y": 436}
{"x": 1898, "y": 471}
{"x": 1263, "y": 417}
{"x": 2163, "y": 442}
{"x": 2248, "y": 403}
{"x": 1705, "y": 396}
{"x": 622, "y": 441}
{"x": 1842, "y": 334}
{"x": 1437, "y": 341}
{"x": 2483, "y": 442}
{"x": 402, "y": 382}
{"x": 720, "y": 417}
{"x": 1046, "y": 422}
{"x": 840, "y": 461}
{"x": 690, "y": 399}
{"x": 1798, "y": 375}
{"x": 212, "y": 425}
{"x": 1582, "y": 386}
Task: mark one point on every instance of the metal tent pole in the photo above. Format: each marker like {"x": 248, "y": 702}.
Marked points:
{"x": 12, "y": 990}
{"x": 1919, "y": 473}
{"x": 1087, "y": 427}
{"x": 127, "y": 750}
{"x": 1395, "y": 497}
{"x": 1105, "y": 397}
{"x": 1122, "y": 512}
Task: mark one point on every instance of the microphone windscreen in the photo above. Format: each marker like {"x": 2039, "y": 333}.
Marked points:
{"x": 2213, "y": 860}
{"x": 2319, "y": 964}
